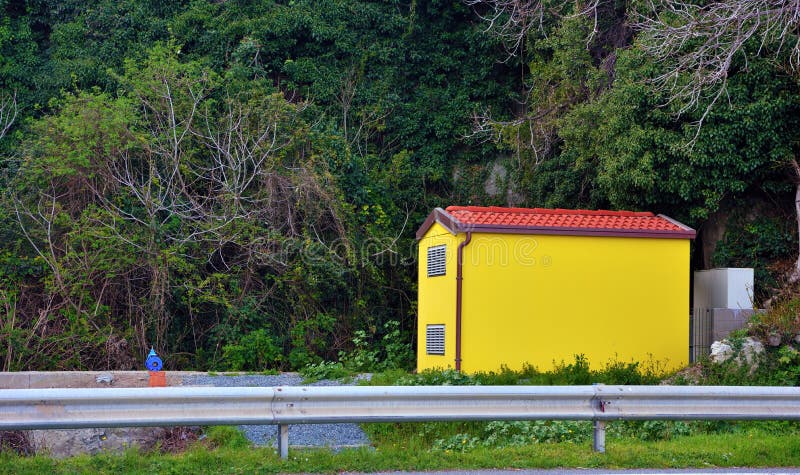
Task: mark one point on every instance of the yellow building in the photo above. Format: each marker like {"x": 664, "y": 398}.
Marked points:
{"x": 509, "y": 286}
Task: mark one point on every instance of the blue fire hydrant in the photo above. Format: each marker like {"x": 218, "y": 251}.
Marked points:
{"x": 158, "y": 379}
{"x": 153, "y": 362}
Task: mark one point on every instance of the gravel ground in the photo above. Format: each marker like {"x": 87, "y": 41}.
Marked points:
{"x": 300, "y": 435}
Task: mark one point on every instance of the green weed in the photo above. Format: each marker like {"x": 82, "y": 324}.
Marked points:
{"x": 324, "y": 370}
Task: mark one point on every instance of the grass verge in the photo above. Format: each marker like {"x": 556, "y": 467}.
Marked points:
{"x": 752, "y": 446}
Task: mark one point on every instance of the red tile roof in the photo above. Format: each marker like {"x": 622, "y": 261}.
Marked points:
{"x": 555, "y": 221}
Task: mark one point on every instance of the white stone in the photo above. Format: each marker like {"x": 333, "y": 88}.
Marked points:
{"x": 105, "y": 378}
{"x": 723, "y": 351}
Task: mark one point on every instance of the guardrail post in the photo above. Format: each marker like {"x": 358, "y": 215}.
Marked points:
{"x": 599, "y": 440}
{"x": 599, "y": 436}
{"x": 283, "y": 440}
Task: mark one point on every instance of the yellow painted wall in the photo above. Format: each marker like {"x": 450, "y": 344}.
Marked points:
{"x": 437, "y": 298}
{"x": 545, "y": 298}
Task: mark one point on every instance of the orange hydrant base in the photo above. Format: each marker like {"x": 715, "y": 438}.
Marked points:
{"x": 158, "y": 379}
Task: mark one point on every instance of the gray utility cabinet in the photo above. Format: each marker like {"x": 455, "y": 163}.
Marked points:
{"x": 722, "y": 302}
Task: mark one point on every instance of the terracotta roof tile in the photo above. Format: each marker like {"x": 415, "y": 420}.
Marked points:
{"x": 492, "y": 219}
{"x": 563, "y": 218}
{"x": 555, "y": 221}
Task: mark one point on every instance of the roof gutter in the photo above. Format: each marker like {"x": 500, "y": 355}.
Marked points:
{"x": 459, "y": 280}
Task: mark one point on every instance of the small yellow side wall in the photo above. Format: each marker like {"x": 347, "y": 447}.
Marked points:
{"x": 436, "y": 304}
{"x": 542, "y": 299}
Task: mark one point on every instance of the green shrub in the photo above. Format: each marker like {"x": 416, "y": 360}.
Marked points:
{"x": 386, "y": 378}
{"x": 324, "y": 370}
{"x": 782, "y": 319}
{"x": 397, "y": 351}
{"x": 576, "y": 372}
{"x": 635, "y": 373}
{"x": 255, "y": 351}
{"x": 309, "y": 339}
{"x": 757, "y": 244}
{"x": 392, "y": 352}
{"x": 364, "y": 356}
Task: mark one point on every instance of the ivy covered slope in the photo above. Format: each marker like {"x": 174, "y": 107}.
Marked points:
{"x": 237, "y": 184}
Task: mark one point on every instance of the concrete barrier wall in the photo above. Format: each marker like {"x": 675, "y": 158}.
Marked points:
{"x": 83, "y": 379}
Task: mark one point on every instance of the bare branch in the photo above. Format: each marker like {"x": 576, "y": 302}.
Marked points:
{"x": 698, "y": 43}
{"x": 533, "y": 131}
{"x": 513, "y": 20}
{"x": 8, "y": 113}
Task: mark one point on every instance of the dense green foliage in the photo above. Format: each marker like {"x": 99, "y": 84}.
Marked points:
{"x": 764, "y": 243}
{"x": 237, "y": 183}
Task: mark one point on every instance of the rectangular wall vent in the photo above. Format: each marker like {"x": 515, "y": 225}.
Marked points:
{"x": 434, "y": 340}
{"x": 437, "y": 260}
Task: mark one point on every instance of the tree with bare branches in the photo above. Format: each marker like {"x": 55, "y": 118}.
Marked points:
{"x": 699, "y": 42}
{"x": 699, "y": 45}
{"x": 180, "y": 186}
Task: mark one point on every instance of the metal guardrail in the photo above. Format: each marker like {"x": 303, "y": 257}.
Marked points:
{"x": 22, "y": 409}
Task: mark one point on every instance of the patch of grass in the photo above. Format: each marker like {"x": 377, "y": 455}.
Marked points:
{"x": 225, "y": 436}
{"x": 750, "y": 446}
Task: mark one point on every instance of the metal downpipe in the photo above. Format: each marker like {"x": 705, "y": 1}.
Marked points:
{"x": 459, "y": 279}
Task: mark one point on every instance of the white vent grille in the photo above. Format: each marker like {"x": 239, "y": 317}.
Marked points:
{"x": 437, "y": 262}
{"x": 434, "y": 340}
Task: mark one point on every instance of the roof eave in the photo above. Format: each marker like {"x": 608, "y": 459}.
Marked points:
{"x": 686, "y": 228}
{"x": 445, "y": 219}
